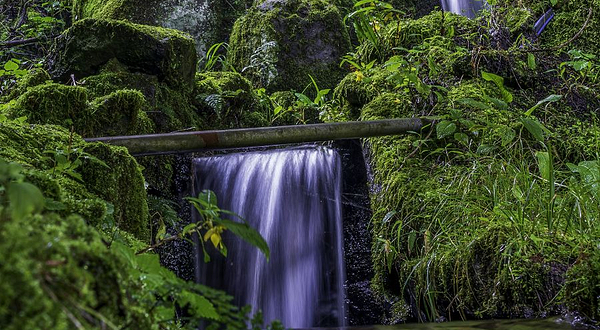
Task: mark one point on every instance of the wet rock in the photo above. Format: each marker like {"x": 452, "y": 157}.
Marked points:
{"x": 278, "y": 44}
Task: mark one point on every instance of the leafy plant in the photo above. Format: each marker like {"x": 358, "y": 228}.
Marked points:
{"x": 262, "y": 63}
{"x": 210, "y": 226}
{"x": 216, "y": 54}
{"x": 18, "y": 199}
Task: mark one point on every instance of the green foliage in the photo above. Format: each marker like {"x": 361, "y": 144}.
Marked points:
{"x": 18, "y": 199}
{"x": 213, "y": 225}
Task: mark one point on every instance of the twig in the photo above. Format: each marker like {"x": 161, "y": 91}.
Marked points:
{"x": 159, "y": 244}
{"x": 20, "y": 42}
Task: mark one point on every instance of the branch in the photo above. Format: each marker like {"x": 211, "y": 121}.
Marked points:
{"x": 21, "y": 42}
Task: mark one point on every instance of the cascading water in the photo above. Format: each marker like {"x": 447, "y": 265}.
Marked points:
{"x": 468, "y": 8}
{"x": 293, "y": 198}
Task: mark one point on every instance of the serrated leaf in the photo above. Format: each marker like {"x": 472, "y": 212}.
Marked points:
{"x": 445, "y": 128}
{"x": 149, "y": 263}
{"x": 198, "y": 305}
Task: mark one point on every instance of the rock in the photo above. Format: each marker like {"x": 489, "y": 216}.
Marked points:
{"x": 278, "y": 44}
{"x": 89, "y": 44}
{"x": 207, "y": 21}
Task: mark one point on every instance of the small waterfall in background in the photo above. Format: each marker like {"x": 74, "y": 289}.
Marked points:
{"x": 468, "y": 8}
{"x": 293, "y": 198}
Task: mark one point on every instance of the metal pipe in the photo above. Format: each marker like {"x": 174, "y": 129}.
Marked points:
{"x": 181, "y": 142}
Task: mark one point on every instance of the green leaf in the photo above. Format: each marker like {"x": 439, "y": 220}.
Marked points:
{"x": 531, "y": 61}
{"x": 462, "y": 138}
{"x": 388, "y": 216}
{"x": 24, "y": 199}
{"x": 507, "y": 135}
{"x": 247, "y": 233}
{"x": 543, "y": 159}
{"x": 52, "y": 205}
{"x": 198, "y": 305}
{"x": 549, "y": 99}
{"x": 535, "y": 128}
{"x": 445, "y": 128}
{"x": 149, "y": 263}
{"x": 11, "y": 65}
{"x": 485, "y": 149}
{"x": 499, "y": 81}
{"x": 473, "y": 103}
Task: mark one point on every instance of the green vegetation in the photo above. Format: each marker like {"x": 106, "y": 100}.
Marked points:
{"x": 490, "y": 212}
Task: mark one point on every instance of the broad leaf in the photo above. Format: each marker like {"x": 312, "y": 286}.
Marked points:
{"x": 445, "y": 128}
{"x": 543, "y": 160}
{"x": 24, "y": 199}
{"x": 549, "y": 99}
{"x": 200, "y": 306}
{"x": 247, "y": 233}
{"x": 535, "y": 128}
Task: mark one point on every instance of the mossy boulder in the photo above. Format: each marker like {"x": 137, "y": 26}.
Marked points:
{"x": 207, "y": 22}
{"x": 90, "y": 44}
{"x": 278, "y": 44}
{"x": 122, "y": 112}
{"x": 168, "y": 108}
{"x": 98, "y": 182}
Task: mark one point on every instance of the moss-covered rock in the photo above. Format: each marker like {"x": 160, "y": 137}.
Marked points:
{"x": 278, "y": 44}
{"x": 78, "y": 177}
{"x": 208, "y": 22}
{"x": 89, "y": 44}
{"x": 55, "y": 271}
{"x": 122, "y": 112}
{"x": 169, "y": 108}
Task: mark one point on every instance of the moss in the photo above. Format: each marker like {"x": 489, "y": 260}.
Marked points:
{"x": 89, "y": 44}
{"x": 120, "y": 183}
{"x": 309, "y": 40}
{"x": 119, "y": 113}
{"x": 85, "y": 188}
{"x": 34, "y": 77}
{"x": 169, "y": 108}
{"x": 227, "y": 100}
{"x": 55, "y": 269}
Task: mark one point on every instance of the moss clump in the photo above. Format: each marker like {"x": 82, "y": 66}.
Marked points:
{"x": 79, "y": 178}
{"x": 169, "y": 108}
{"x": 278, "y": 44}
{"x": 34, "y": 77}
{"x": 227, "y": 100}
{"x": 56, "y": 270}
{"x": 120, "y": 183}
{"x": 89, "y": 44}
{"x": 119, "y": 113}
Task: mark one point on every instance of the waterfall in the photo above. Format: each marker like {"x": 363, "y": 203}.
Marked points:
{"x": 293, "y": 198}
{"x": 468, "y": 8}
